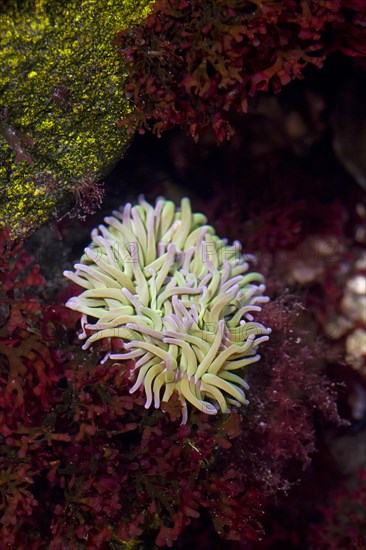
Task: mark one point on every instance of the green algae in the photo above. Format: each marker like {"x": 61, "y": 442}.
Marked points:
{"x": 61, "y": 95}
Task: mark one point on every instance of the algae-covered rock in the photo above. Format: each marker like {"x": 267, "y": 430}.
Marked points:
{"x": 61, "y": 95}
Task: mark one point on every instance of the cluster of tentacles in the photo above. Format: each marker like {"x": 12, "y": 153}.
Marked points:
{"x": 180, "y": 298}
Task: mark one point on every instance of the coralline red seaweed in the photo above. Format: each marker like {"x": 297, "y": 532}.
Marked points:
{"x": 193, "y": 63}
{"x": 342, "y": 521}
{"x": 84, "y": 465}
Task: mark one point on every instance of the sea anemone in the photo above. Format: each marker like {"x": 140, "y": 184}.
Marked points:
{"x": 180, "y": 298}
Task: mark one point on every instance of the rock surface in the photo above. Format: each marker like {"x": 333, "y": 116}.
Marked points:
{"x": 61, "y": 95}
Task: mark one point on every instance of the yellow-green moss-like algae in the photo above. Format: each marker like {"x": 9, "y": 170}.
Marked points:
{"x": 61, "y": 94}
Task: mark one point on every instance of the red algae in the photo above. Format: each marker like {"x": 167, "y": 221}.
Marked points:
{"x": 193, "y": 63}
{"x": 82, "y": 460}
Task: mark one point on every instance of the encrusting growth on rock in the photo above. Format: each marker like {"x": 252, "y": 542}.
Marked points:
{"x": 62, "y": 92}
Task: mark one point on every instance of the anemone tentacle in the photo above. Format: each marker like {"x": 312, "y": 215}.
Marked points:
{"x": 181, "y": 300}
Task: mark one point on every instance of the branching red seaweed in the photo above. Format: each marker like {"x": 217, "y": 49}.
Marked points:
{"x": 193, "y": 63}
{"x": 83, "y": 464}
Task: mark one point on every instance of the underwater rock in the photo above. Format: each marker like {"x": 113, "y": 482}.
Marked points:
{"x": 61, "y": 93}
